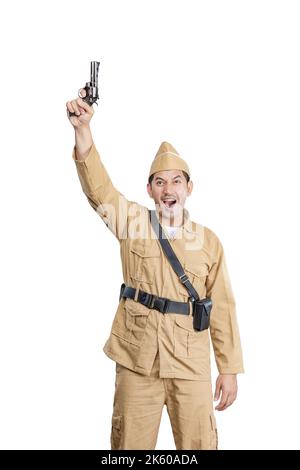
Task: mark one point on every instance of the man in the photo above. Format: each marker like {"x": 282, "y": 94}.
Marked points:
{"x": 160, "y": 358}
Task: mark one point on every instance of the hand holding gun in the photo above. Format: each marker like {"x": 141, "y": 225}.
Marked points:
{"x": 80, "y": 110}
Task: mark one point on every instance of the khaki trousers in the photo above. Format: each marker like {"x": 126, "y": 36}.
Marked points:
{"x": 138, "y": 405}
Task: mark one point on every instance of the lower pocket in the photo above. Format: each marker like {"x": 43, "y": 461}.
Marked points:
{"x": 116, "y": 432}
{"x": 130, "y": 321}
{"x": 136, "y": 320}
{"x": 213, "y": 433}
{"x": 187, "y": 341}
{"x": 209, "y": 433}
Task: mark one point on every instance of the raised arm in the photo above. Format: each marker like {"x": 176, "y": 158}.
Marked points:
{"x": 105, "y": 199}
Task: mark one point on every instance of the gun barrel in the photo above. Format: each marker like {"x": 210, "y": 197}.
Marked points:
{"x": 94, "y": 73}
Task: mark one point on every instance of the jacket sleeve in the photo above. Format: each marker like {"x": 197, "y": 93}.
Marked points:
{"x": 105, "y": 199}
{"x": 224, "y": 329}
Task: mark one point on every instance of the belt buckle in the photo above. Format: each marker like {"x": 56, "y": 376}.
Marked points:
{"x": 164, "y": 303}
{"x": 152, "y": 300}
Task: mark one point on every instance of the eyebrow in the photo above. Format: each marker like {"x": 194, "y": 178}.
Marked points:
{"x": 160, "y": 178}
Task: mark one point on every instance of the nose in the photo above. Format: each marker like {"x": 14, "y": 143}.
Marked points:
{"x": 167, "y": 188}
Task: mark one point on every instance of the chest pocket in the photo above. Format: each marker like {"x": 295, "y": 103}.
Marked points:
{"x": 197, "y": 275}
{"x": 144, "y": 262}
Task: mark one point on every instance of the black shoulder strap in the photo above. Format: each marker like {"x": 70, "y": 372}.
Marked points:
{"x": 170, "y": 254}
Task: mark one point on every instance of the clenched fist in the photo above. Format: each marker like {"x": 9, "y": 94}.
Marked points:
{"x": 83, "y": 110}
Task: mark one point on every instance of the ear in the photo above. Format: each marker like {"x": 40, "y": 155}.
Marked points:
{"x": 190, "y": 187}
{"x": 149, "y": 190}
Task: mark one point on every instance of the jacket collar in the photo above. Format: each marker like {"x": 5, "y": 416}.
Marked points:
{"x": 187, "y": 225}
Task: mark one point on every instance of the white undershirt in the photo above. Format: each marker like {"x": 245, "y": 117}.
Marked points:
{"x": 171, "y": 230}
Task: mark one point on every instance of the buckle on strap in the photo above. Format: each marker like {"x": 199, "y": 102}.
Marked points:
{"x": 183, "y": 278}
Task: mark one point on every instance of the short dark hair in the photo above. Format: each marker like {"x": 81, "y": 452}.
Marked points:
{"x": 185, "y": 174}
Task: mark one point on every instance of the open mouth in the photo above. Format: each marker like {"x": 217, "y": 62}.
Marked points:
{"x": 169, "y": 202}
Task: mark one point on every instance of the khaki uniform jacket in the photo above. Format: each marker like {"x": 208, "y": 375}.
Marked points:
{"x": 137, "y": 332}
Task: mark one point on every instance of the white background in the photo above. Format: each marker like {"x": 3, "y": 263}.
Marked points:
{"x": 219, "y": 80}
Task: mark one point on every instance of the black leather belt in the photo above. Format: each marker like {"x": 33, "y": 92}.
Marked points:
{"x": 153, "y": 301}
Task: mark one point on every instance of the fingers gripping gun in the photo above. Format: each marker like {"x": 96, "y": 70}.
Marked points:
{"x": 91, "y": 88}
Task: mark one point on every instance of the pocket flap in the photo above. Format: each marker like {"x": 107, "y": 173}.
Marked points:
{"x": 186, "y": 322}
{"x": 135, "y": 308}
{"x": 198, "y": 271}
{"x": 197, "y": 276}
{"x": 145, "y": 252}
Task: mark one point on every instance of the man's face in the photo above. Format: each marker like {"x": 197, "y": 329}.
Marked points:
{"x": 169, "y": 189}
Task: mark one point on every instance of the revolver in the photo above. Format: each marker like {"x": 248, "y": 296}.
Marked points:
{"x": 91, "y": 87}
